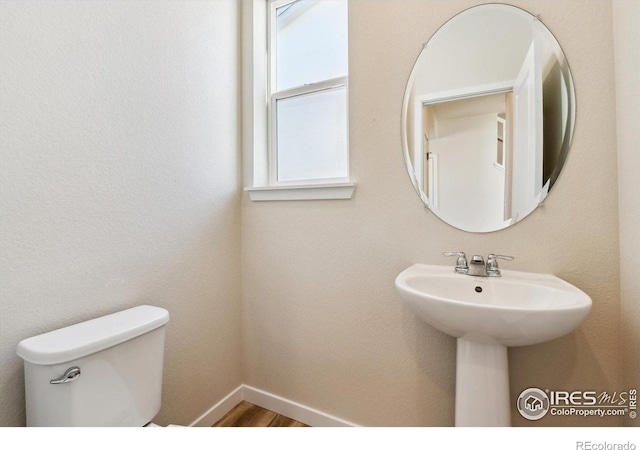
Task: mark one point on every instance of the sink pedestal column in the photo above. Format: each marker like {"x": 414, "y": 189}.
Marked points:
{"x": 482, "y": 384}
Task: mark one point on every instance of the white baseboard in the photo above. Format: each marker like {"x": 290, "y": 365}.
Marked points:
{"x": 293, "y": 410}
{"x": 272, "y": 402}
{"x": 217, "y": 411}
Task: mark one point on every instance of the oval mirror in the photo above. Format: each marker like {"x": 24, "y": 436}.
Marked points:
{"x": 488, "y": 117}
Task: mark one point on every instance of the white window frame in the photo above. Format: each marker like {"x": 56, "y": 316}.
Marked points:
{"x": 259, "y": 121}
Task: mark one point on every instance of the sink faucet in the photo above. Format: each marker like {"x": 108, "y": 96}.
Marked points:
{"x": 477, "y": 267}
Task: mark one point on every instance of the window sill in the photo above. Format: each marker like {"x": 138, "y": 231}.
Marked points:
{"x": 337, "y": 191}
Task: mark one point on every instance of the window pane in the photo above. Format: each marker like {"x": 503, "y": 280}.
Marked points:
{"x": 312, "y": 136}
{"x": 311, "y": 40}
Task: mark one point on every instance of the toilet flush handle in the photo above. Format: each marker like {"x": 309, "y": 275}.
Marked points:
{"x": 72, "y": 373}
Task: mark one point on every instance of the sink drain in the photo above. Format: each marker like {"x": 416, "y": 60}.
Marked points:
{"x": 478, "y": 289}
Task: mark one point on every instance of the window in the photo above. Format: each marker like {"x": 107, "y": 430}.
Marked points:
{"x": 308, "y": 68}
{"x": 306, "y": 90}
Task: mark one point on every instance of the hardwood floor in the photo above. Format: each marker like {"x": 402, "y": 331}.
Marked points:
{"x": 246, "y": 414}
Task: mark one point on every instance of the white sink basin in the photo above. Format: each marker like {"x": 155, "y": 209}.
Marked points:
{"x": 518, "y": 308}
{"x": 487, "y": 315}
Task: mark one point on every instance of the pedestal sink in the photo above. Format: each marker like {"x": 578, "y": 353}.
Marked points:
{"x": 487, "y": 315}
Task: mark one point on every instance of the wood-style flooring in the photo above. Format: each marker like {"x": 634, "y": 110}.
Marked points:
{"x": 246, "y": 414}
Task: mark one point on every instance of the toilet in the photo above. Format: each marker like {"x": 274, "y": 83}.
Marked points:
{"x": 102, "y": 372}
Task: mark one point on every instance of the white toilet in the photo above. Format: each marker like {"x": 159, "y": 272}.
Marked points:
{"x": 102, "y": 372}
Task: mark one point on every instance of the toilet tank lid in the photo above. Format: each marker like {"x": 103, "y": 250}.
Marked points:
{"x": 85, "y": 338}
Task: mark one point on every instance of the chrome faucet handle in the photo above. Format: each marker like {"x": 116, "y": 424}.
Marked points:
{"x": 461, "y": 262}
{"x": 492, "y": 264}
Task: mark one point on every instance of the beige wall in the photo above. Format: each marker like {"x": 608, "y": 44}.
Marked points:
{"x": 119, "y": 183}
{"x": 626, "y": 16}
{"x": 323, "y": 324}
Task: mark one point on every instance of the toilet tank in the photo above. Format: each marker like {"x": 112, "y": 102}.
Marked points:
{"x": 119, "y": 358}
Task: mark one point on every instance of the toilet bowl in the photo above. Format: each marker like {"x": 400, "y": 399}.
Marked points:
{"x": 102, "y": 372}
